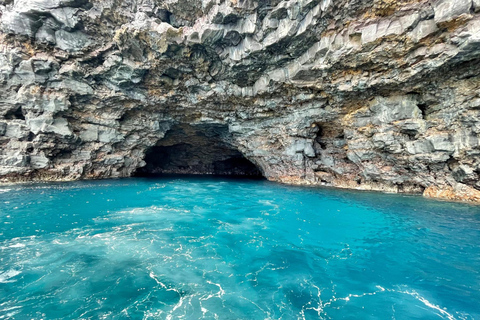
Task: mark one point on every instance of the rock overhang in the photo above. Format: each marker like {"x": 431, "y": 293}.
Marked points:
{"x": 89, "y": 87}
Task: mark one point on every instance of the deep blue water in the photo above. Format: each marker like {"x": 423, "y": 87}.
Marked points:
{"x": 213, "y": 248}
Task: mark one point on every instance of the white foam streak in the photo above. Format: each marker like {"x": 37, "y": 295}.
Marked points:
{"x": 178, "y": 305}
{"x": 256, "y": 305}
{"x": 9, "y": 314}
{"x": 7, "y": 275}
{"x": 219, "y": 294}
{"x": 427, "y": 303}
{"x": 412, "y": 293}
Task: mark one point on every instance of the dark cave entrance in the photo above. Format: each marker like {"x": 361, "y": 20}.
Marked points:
{"x": 201, "y": 149}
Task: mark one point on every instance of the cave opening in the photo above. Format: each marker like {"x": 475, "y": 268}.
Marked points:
{"x": 328, "y": 136}
{"x": 15, "y": 114}
{"x": 199, "y": 150}
{"x": 423, "y": 109}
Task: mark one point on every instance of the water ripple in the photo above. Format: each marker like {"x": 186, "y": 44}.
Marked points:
{"x": 204, "y": 249}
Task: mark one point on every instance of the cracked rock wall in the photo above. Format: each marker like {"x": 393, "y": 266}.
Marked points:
{"x": 377, "y": 95}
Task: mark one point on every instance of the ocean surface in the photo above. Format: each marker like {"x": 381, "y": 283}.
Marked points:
{"x": 216, "y": 248}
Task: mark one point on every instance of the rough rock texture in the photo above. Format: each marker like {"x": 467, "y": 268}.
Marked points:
{"x": 378, "y": 95}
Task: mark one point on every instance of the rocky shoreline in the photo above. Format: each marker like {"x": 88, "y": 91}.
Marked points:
{"x": 372, "y": 95}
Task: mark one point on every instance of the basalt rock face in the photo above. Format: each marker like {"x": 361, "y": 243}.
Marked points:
{"x": 378, "y": 95}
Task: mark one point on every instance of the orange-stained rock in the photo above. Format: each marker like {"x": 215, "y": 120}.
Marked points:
{"x": 460, "y": 192}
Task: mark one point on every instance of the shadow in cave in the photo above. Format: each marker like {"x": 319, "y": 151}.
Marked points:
{"x": 199, "y": 150}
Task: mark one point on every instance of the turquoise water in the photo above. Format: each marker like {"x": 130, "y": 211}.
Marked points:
{"x": 212, "y": 248}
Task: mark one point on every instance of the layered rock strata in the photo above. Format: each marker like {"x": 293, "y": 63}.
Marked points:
{"x": 376, "y": 95}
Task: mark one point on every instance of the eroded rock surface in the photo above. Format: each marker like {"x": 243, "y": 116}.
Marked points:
{"x": 378, "y": 95}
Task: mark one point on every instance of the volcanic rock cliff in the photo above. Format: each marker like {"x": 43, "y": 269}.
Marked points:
{"x": 377, "y": 95}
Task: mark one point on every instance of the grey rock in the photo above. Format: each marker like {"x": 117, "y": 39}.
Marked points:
{"x": 395, "y": 28}
{"x": 420, "y": 147}
{"x": 369, "y": 33}
{"x": 6, "y": 69}
{"x": 47, "y": 123}
{"x": 89, "y": 133}
{"x": 60, "y": 126}
{"x": 42, "y": 66}
{"x": 109, "y": 135}
{"x": 388, "y": 142}
{"x": 476, "y": 4}
{"x": 472, "y": 43}
{"x": 39, "y": 162}
{"x": 14, "y": 161}
{"x": 114, "y": 160}
{"x": 125, "y": 75}
{"x": 39, "y": 124}
{"x": 18, "y": 23}
{"x": 71, "y": 41}
{"x": 446, "y": 10}
{"x": 46, "y": 33}
{"x": 33, "y": 6}
{"x": 309, "y": 151}
{"x": 15, "y": 130}
{"x": 423, "y": 29}
{"x": 66, "y": 16}
{"x": 411, "y": 127}
{"x": 442, "y": 143}
{"x": 75, "y": 86}
{"x": 463, "y": 172}
{"x": 3, "y": 128}
{"x": 394, "y": 109}
{"x": 26, "y": 74}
